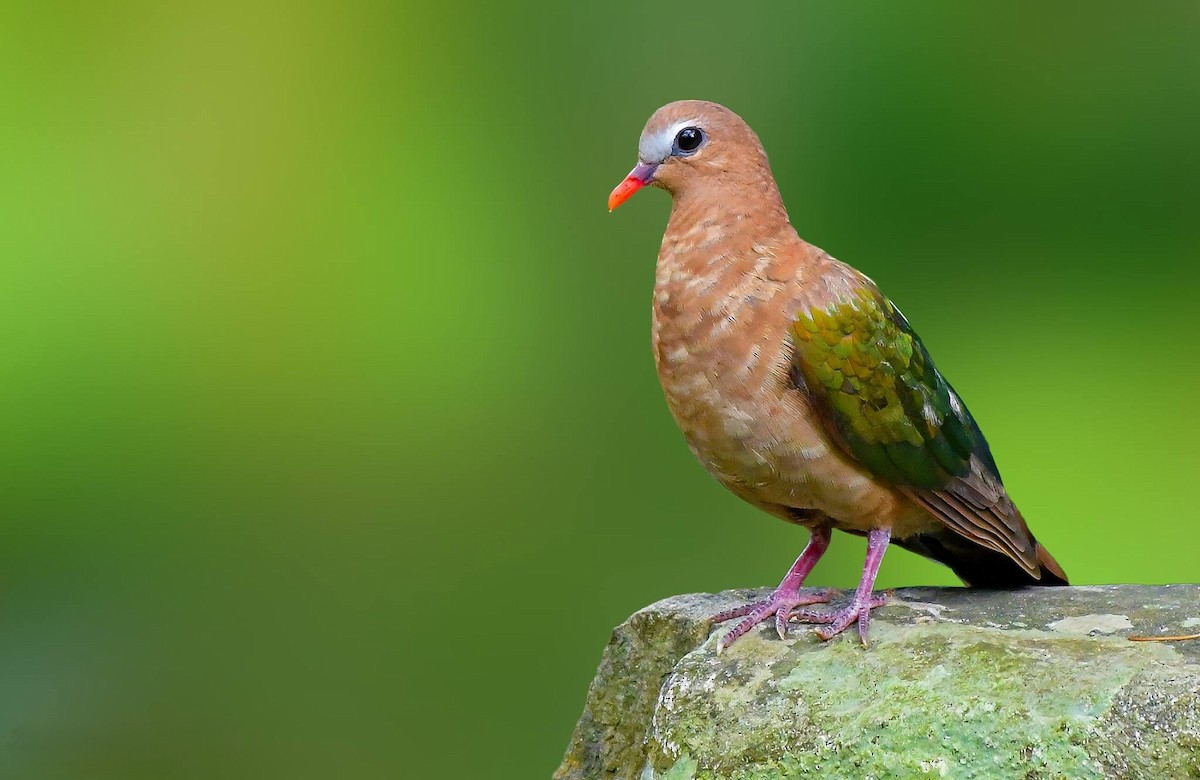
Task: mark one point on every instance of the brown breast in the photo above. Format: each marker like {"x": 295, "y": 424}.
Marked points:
{"x": 721, "y": 320}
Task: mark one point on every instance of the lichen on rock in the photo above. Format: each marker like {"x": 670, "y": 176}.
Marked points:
{"x": 1037, "y": 683}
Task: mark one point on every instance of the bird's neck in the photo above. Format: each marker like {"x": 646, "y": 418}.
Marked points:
{"x": 716, "y": 227}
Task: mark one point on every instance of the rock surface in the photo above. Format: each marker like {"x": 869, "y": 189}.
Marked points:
{"x": 1036, "y": 683}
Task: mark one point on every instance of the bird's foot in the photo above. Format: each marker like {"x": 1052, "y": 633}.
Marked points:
{"x": 782, "y": 604}
{"x": 859, "y": 610}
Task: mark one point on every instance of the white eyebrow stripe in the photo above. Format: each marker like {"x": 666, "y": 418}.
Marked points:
{"x": 656, "y": 148}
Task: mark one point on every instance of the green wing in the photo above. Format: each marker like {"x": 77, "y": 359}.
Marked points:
{"x": 880, "y": 396}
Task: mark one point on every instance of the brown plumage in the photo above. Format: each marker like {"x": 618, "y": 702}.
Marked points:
{"x": 827, "y": 435}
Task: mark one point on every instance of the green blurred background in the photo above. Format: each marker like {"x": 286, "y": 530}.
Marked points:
{"x": 332, "y": 441}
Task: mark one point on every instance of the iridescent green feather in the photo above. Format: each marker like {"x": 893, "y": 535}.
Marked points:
{"x": 870, "y": 374}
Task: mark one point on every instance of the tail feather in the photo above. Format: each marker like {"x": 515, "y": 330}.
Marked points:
{"x": 1052, "y": 573}
{"x": 980, "y": 567}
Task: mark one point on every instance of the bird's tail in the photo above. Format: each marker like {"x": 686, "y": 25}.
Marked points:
{"x": 980, "y": 567}
{"x": 1052, "y": 573}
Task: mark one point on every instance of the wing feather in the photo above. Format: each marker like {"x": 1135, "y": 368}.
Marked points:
{"x": 882, "y": 399}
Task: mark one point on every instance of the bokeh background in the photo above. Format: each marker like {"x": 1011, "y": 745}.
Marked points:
{"x": 332, "y": 444}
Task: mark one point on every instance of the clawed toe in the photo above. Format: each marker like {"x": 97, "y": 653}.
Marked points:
{"x": 858, "y": 611}
{"x": 738, "y": 612}
{"x": 813, "y": 616}
{"x": 785, "y": 607}
{"x": 781, "y": 604}
{"x": 785, "y": 599}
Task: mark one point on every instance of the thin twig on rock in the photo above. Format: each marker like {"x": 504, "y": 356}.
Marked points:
{"x": 1178, "y": 638}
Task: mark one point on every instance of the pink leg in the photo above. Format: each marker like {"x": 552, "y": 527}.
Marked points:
{"x": 784, "y": 599}
{"x": 864, "y": 600}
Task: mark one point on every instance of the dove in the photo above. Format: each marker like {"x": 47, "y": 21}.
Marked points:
{"x": 802, "y": 389}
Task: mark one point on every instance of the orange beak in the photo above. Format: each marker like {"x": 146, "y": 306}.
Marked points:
{"x": 641, "y": 175}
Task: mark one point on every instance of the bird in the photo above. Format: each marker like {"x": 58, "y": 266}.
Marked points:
{"x": 802, "y": 388}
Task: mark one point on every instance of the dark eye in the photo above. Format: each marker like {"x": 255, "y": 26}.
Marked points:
{"x": 688, "y": 140}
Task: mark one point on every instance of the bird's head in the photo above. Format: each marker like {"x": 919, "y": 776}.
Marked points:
{"x": 693, "y": 144}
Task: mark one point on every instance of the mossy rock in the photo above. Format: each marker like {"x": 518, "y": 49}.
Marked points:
{"x": 1036, "y": 684}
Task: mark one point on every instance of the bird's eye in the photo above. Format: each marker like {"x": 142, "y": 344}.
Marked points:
{"x": 688, "y": 140}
